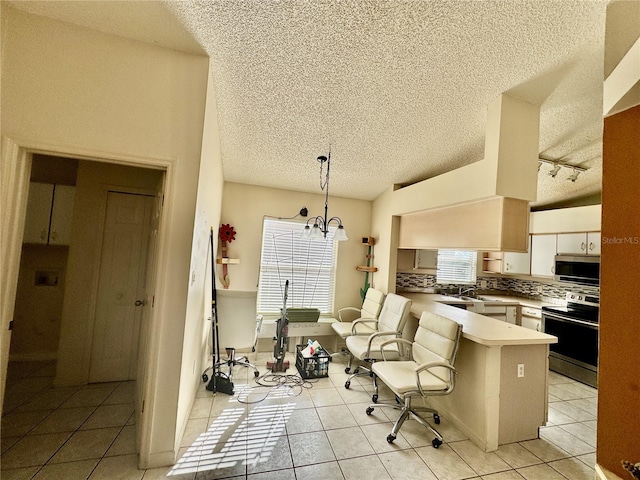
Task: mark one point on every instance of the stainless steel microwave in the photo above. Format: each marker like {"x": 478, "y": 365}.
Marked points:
{"x": 578, "y": 269}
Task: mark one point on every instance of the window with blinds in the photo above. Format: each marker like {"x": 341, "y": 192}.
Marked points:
{"x": 308, "y": 265}
{"x": 456, "y": 266}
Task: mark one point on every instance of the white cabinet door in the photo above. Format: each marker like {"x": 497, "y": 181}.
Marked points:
{"x": 513, "y": 262}
{"x": 543, "y": 252}
{"x": 572, "y": 243}
{"x": 532, "y": 323}
{"x": 584, "y": 243}
{"x": 594, "y": 241}
{"x": 49, "y": 212}
{"x": 61, "y": 215}
{"x": 519, "y": 263}
{"x": 36, "y": 226}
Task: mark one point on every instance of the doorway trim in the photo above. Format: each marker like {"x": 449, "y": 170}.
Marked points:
{"x": 16, "y": 169}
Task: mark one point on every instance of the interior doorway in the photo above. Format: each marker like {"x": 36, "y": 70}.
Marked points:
{"x": 95, "y": 181}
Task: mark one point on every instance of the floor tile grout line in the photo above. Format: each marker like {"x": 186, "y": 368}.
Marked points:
{"x": 582, "y": 459}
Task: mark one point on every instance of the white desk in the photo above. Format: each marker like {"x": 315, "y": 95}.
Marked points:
{"x": 301, "y": 330}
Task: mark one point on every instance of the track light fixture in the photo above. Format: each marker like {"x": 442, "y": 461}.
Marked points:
{"x": 321, "y": 224}
{"x": 556, "y": 166}
{"x": 554, "y": 171}
{"x": 574, "y": 176}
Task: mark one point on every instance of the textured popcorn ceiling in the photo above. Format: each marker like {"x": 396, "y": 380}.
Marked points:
{"x": 398, "y": 88}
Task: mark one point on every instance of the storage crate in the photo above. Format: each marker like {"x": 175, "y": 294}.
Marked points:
{"x": 314, "y": 367}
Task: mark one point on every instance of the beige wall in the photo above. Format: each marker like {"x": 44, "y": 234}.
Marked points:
{"x": 38, "y": 308}
{"x": 79, "y": 92}
{"x": 245, "y": 206}
{"x": 207, "y": 214}
{"x": 511, "y": 145}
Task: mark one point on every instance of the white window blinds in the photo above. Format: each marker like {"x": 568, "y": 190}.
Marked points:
{"x": 309, "y": 265}
{"x": 456, "y": 266}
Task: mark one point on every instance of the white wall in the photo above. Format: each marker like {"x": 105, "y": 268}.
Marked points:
{"x": 244, "y": 207}
{"x": 72, "y": 90}
{"x": 575, "y": 219}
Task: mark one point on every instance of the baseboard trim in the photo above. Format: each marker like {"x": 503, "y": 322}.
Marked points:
{"x": 604, "y": 474}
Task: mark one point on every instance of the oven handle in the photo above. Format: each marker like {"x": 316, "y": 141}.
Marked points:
{"x": 561, "y": 318}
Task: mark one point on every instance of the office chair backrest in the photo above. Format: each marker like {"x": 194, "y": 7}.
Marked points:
{"x": 394, "y": 314}
{"x": 436, "y": 340}
{"x": 372, "y": 304}
{"x": 237, "y": 318}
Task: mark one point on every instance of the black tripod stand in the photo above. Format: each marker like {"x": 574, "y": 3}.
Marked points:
{"x": 219, "y": 381}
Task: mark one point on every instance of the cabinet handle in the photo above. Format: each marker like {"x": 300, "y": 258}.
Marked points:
{"x": 43, "y": 234}
{"x": 583, "y": 246}
{"x": 591, "y": 246}
{"x": 54, "y": 234}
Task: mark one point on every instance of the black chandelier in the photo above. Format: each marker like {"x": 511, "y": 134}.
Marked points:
{"x": 321, "y": 224}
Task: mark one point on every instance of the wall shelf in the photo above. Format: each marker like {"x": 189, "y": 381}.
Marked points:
{"x": 362, "y": 268}
{"x": 227, "y": 261}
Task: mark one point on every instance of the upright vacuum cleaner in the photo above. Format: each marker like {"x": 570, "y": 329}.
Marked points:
{"x": 219, "y": 381}
{"x": 280, "y": 341}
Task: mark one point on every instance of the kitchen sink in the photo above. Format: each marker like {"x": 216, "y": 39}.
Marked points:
{"x": 464, "y": 298}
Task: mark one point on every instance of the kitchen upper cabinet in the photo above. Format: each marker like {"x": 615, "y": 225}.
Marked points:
{"x": 517, "y": 263}
{"x": 410, "y": 260}
{"x": 543, "y": 253}
{"x": 584, "y": 243}
{"x": 49, "y": 214}
{"x": 508, "y": 262}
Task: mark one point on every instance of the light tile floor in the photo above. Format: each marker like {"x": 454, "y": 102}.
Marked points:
{"x": 284, "y": 432}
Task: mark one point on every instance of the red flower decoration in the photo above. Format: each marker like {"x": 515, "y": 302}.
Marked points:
{"x": 227, "y": 233}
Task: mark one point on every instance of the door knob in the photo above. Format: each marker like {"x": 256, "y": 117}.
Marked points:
{"x": 140, "y": 303}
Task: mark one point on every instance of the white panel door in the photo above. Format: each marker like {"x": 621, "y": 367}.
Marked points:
{"x": 120, "y": 299}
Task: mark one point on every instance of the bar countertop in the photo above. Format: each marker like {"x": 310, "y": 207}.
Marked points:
{"x": 476, "y": 327}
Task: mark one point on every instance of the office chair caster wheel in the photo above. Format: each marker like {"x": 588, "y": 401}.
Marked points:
{"x": 436, "y": 418}
{"x": 374, "y": 398}
{"x": 390, "y": 438}
{"x": 257, "y": 374}
{"x": 369, "y": 410}
{"x": 347, "y": 370}
{"x": 347, "y": 384}
{"x": 435, "y": 442}
{"x": 205, "y": 377}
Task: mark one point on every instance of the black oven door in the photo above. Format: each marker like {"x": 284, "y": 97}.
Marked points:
{"x": 577, "y": 339}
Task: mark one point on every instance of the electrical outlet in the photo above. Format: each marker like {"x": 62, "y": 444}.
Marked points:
{"x": 539, "y": 288}
{"x": 483, "y": 284}
{"x": 520, "y": 370}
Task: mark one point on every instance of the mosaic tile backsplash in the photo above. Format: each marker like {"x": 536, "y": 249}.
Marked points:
{"x": 535, "y": 289}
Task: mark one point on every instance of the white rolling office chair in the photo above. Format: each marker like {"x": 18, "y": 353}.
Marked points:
{"x": 367, "y": 317}
{"x": 391, "y": 321}
{"x": 429, "y": 372}
{"x": 238, "y": 328}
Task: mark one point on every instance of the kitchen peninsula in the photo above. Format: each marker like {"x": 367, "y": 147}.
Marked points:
{"x": 501, "y": 388}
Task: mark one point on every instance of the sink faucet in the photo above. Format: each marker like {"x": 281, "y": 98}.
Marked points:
{"x": 462, "y": 290}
